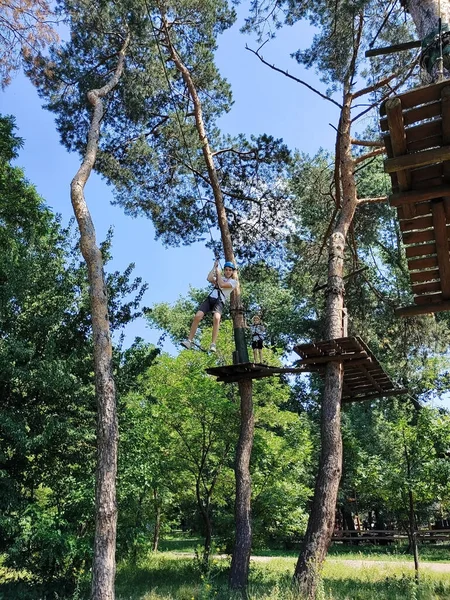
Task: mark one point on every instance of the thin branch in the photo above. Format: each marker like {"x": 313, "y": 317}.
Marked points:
{"x": 364, "y": 157}
{"x": 374, "y": 200}
{"x": 392, "y": 90}
{"x": 256, "y": 53}
{"x": 375, "y": 143}
{"x": 364, "y": 165}
{"x": 239, "y": 152}
{"x": 382, "y": 82}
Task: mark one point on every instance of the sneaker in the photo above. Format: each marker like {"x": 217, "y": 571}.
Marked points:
{"x": 187, "y": 344}
{"x": 213, "y": 348}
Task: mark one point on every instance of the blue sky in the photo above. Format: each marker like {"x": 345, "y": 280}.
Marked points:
{"x": 264, "y": 102}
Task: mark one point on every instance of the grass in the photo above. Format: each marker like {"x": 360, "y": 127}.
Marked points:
{"x": 169, "y": 578}
{"x": 398, "y": 551}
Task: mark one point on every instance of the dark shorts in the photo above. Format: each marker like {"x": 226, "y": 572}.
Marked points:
{"x": 213, "y": 305}
{"x": 257, "y": 344}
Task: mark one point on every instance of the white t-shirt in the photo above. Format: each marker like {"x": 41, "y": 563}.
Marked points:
{"x": 224, "y": 291}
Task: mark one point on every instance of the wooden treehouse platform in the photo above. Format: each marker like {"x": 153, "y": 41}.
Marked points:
{"x": 364, "y": 379}
{"x": 416, "y": 128}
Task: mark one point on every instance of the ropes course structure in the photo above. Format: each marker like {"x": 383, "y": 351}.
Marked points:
{"x": 416, "y": 134}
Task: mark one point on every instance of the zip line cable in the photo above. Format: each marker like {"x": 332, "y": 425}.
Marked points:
{"x": 186, "y": 146}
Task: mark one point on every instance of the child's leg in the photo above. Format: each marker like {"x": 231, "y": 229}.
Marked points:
{"x": 255, "y": 355}
{"x": 216, "y": 322}
{"x": 195, "y": 323}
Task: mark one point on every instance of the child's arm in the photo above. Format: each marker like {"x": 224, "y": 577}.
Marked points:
{"x": 212, "y": 275}
{"x": 225, "y": 284}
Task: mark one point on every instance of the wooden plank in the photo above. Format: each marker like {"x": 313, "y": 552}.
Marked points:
{"x": 422, "y": 276}
{"x": 416, "y": 114}
{"x": 384, "y": 394}
{"x": 415, "y": 237}
{"x": 419, "y": 195}
{"x": 420, "y": 95}
{"x": 410, "y": 311}
{"x": 430, "y": 142}
{"x": 445, "y": 109}
{"x": 332, "y": 358}
{"x": 411, "y": 161}
{"x": 418, "y": 264}
{"x": 441, "y": 236}
{"x": 416, "y": 224}
{"x": 426, "y": 288}
{"x": 422, "y": 250}
{"x": 398, "y": 141}
{"x": 421, "y": 113}
{"x": 425, "y": 175}
{"x": 395, "y": 48}
{"x": 429, "y": 129}
{"x": 435, "y": 299}
{"x": 423, "y": 209}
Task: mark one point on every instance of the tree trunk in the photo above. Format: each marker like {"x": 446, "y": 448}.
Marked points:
{"x": 411, "y": 516}
{"x": 322, "y": 516}
{"x": 204, "y": 511}
{"x": 104, "y": 565}
{"x": 425, "y": 14}
{"x": 157, "y": 529}
{"x": 241, "y": 553}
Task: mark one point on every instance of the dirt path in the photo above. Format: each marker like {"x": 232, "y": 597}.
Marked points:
{"x": 365, "y": 564}
{"x": 438, "y": 567}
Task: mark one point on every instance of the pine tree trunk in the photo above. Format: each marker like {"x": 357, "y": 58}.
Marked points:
{"x": 425, "y": 14}
{"x": 322, "y": 516}
{"x": 104, "y": 564}
{"x": 241, "y": 553}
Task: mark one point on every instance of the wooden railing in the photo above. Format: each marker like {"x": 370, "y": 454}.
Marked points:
{"x": 391, "y": 535}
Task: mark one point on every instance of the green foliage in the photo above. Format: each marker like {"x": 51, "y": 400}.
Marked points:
{"x": 149, "y": 149}
{"x": 47, "y": 425}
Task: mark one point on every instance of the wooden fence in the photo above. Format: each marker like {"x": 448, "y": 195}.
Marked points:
{"x": 380, "y": 536}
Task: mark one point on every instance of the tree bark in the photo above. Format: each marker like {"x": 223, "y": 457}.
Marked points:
{"x": 425, "y": 14}
{"x": 240, "y": 561}
{"x": 241, "y": 553}
{"x": 157, "y": 529}
{"x": 204, "y": 511}
{"x": 104, "y": 564}
{"x": 322, "y": 516}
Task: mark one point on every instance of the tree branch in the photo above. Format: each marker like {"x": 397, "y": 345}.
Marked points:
{"x": 273, "y": 67}
{"x": 376, "y": 143}
{"x": 374, "y": 200}
{"x": 364, "y": 157}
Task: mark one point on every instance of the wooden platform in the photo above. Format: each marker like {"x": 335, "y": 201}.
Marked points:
{"x": 364, "y": 378}
{"x": 241, "y": 371}
{"x": 416, "y": 128}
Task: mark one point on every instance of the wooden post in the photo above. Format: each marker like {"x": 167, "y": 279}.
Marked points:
{"x": 398, "y": 141}
{"x": 344, "y": 322}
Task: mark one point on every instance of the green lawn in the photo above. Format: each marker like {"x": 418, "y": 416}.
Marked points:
{"x": 163, "y": 577}
{"x": 168, "y": 575}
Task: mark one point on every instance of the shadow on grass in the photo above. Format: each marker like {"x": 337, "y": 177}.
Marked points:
{"x": 180, "y": 544}
{"x": 390, "y": 588}
{"x": 162, "y": 578}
